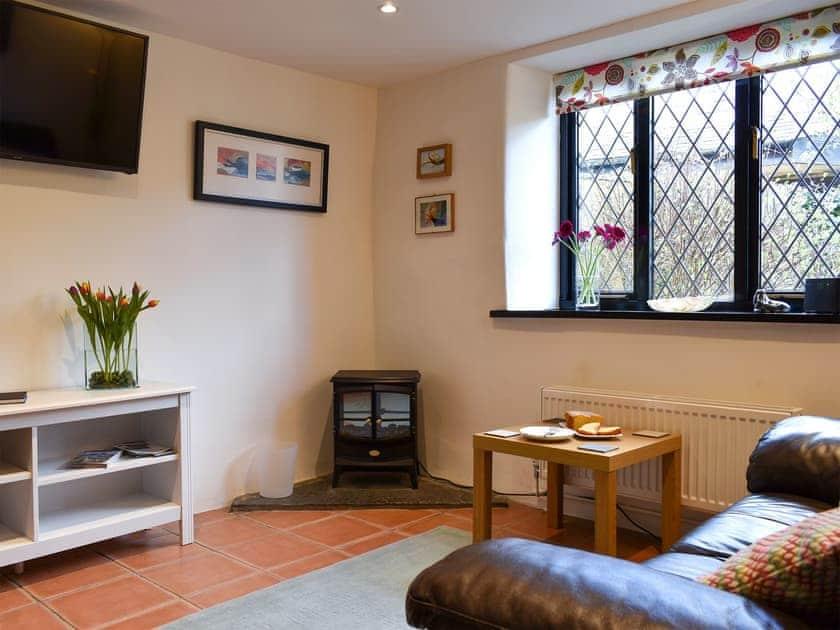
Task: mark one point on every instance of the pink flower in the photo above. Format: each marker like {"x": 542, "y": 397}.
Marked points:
{"x": 566, "y": 230}
{"x": 612, "y": 234}
{"x": 584, "y": 236}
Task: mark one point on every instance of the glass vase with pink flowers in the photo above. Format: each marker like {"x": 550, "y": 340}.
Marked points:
{"x": 587, "y": 247}
{"x": 110, "y": 333}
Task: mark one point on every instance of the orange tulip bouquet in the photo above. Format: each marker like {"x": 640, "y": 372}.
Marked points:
{"x": 111, "y": 332}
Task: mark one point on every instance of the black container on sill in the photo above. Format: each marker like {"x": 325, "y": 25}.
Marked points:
{"x": 822, "y": 295}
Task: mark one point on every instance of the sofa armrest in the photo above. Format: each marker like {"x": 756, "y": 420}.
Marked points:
{"x": 801, "y": 456}
{"x": 525, "y": 585}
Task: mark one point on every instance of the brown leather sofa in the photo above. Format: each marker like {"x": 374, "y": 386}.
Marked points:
{"x": 525, "y": 585}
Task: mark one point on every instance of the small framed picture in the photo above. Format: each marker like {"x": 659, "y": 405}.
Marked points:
{"x": 434, "y": 161}
{"x": 434, "y": 214}
{"x": 247, "y": 167}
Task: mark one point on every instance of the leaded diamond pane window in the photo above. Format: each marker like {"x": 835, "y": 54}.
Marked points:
{"x": 685, "y": 213}
{"x": 800, "y": 176}
{"x": 693, "y": 153}
{"x": 605, "y": 185}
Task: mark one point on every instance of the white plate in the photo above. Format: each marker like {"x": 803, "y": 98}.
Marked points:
{"x": 598, "y": 437}
{"x": 546, "y": 434}
{"x": 691, "y": 304}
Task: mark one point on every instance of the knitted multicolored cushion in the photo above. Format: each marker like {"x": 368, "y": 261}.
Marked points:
{"x": 796, "y": 570}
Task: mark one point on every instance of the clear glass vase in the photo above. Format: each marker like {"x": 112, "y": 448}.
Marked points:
{"x": 111, "y": 364}
{"x": 588, "y": 279}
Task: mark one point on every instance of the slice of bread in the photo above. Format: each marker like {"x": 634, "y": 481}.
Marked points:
{"x": 576, "y": 419}
{"x": 590, "y": 429}
{"x": 602, "y": 430}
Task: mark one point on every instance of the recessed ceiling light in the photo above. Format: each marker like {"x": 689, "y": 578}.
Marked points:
{"x": 388, "y": 7}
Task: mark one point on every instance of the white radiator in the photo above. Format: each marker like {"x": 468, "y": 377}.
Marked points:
{"x": 717, "y": 438}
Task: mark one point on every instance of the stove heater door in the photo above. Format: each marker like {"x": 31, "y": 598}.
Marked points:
{"x": 393, "y": 413}
{"x": 355, "y": 414}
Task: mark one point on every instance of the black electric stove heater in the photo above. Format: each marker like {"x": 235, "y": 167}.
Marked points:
{"x": 375, "y": 421}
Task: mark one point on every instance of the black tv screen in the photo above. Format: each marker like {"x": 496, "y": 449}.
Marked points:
{"x": 71, "y": 91}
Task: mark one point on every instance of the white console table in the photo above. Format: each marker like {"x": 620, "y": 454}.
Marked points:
{"x": 46, "y": 507}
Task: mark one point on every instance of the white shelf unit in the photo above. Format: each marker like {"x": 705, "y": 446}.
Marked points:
{"x": 55, "y": 470}
{"x": 46, "y": 507}
{"x": 15, "y": 456}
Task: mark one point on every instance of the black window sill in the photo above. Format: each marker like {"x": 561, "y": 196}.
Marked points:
{"x": 706, "y": 316}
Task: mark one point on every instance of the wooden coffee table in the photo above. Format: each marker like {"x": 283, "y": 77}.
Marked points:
{"x": 632, "y": 449}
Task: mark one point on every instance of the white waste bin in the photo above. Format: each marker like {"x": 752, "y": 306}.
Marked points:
{"x": 276, "y": 464}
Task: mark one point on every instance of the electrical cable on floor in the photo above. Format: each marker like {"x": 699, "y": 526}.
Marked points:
{"x": 644, "y": 529}
{"x": 531, "y": 494}
{"x": 458, "y": 485}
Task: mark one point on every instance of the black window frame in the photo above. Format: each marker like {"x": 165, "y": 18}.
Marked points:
{"x": 747, "y": 200}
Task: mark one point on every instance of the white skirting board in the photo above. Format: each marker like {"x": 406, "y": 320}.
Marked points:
{"x": 579, "y": 504}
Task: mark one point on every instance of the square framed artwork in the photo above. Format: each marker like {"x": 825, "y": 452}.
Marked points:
{"x": 434, "y": 214}
{"x": 434, "y": 161}
{"x": 246, "y": 167}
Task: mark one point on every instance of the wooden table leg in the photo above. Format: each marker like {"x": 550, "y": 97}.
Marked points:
{"x": 556, "y": 474}
{"x": 482, "y": 494}
{"x": 605, "y": 508}
{"x": 671, "y": 498}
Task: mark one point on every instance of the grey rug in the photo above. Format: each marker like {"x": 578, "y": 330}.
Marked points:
{"x": 364, "y": 490}
{"x": 362, "y": 593}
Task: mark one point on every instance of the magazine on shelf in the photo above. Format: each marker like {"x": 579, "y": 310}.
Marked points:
{"x": 95, "y": 459}
{"x": 142, "y": 448}
{"x": 12, "y": 398}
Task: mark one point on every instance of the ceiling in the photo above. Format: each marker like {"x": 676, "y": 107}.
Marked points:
{"x": 352, "y": 41}
{"x": 684, "y": 23}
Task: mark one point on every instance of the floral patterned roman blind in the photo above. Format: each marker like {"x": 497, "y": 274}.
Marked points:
{"x": 799, "y": 39}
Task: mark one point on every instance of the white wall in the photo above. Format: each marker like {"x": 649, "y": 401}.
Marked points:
{"x": 531, "y": 191}
{"x": 258, "y": 307}
{"x": 434, "y": 294}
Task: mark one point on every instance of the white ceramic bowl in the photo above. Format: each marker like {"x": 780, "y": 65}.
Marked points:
{"x": 691, "y": 304}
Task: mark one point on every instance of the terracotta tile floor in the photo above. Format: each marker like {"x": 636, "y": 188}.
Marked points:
{"x": 147, "y": 579}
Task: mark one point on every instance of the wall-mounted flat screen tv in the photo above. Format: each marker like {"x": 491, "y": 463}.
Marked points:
{"x": 71, "y": 91}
